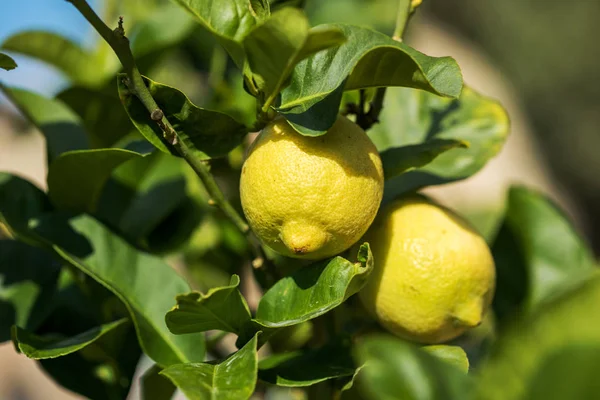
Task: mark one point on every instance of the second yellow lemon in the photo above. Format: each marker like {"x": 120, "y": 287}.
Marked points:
{"x": 311, "y": 197}
{"x": 434, "y": 275}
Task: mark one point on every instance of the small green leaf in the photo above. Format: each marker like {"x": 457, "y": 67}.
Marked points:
{"x": 394, "y": 369}
{"x": 282, "y": 41}
{"x": 528, "y": 353}
{"x": 313, "y": 290}
{"x": 538, "y": 255}
{"x": 413, "y": 117}
{"x": 76, "y": 63}
{"x": 76, "y": 178}
{"x": 222, "y": 308}
{"x": 6, "y": 62}
{"x": 156, "y": 386}
{"x": 229, "y": 20}
{"x": 398, "y": 160}
{"x": 367, "y": 59}
{"x": 42, "y": 347}
{"x": 453, "y": 355}
{"x": 28, "y": 280}
{"x": 306, "y": 368}
{"x": 62, "y": 128}
{"x": 208, "y": 133}
{"x": 232, "y": 379}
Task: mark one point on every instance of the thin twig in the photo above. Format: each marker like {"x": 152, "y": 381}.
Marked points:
{"x": 135, "y": 83}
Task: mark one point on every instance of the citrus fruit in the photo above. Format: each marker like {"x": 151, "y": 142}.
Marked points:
{"x": 434, "y": 275}
{"x": 311, "y": 197}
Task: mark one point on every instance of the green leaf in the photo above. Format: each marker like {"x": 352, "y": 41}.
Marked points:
{"x": 208, "y": 133}
{"x": 306, "y": 368}
{"x": 412, "y": 117}
{"x": 6, "y": 62}
{"x": 528, "y": 351}
{"x": 76, "y": 63}
{"x": 28, "y": 280}
{"x": 156, "y": 386}
{"x": 62, "y": 128}
{"x": 394, "y": 369}
{"x": 282, "y": 41}
{"x": 101, "y": 113}
{"x": 538, "y": 254}
{"x": 453, "y": 355}
{"x": 222, "y": 308}
{"x": 145, "y": 284}
{"x": 367, "y": 59}
{"x": 229, "y": 20}
{"x": 314, "y": 290}
{"x": 232, "y": 379}
{"x": 76, "y": 178}
{"x": 20, "y": 201}
{"x": 398, "y": 160}
{"x": 42, "y": 347}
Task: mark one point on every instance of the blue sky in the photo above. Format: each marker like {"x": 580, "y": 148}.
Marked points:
{"x": 52, "y": 15}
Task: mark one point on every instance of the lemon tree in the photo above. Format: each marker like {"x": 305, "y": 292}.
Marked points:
{"x": 273, "y": 162}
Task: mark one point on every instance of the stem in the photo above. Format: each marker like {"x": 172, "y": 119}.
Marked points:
{"x": 404, "y": 11}
{"x": 120, "y": 45}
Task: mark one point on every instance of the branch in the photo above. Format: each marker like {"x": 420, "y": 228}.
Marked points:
{"x": 120, "y": 45}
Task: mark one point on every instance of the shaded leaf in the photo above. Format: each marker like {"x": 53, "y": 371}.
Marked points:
{"x": 412, "y": 117}
{"x": 453, "y": 355}
{"x": 208, "y": 133}
{"x": 6, "y": 62}
{"x": 76, "y": 63}
{"x": 76, "y": 178}
{"x": 314, "y": 290}
{"x": 277, "y": 45}
{"x": 156, "y": 386}
{"x": 222, "y": 308}
{"x": 398, "y": 160}
{"x": 62, "y": 128}
{"x": 20, "y": 201}
{"x": 538, "y": 254}
{"x": 394, "y": 369}
{"x": 234, "y": 378}
{"x": 42, "y": 347}
{"x": 527, "y": 351}
{"x": 306, "y": 368}
{"x": 228, "y": 20}
{"x": 28, "y": 280}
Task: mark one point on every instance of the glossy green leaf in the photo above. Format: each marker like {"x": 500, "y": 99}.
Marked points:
{"x": 413, "y": 117}
{"x": 527, "y": 350}
{"x": 306, "y": 368}
{"x": 228, "y": 20}
{"x": 20, "y": 201}
{"x": 222, "y": 308}
{"x": 453, "y": 355}
{"x": 232, "y": 379}
{"x": 208, "y": 133}
{"x": 398, "y": 160}
{"x": 314, "y": 290}
{"x": 62, "y": 128}
{"x": 101, "y": 113}
{"x": 42, "y": 347}
{"x": 156, "y": 386}
{"x": 77, "y": 64}
{"x": 538, "y": 254}
{"x": 282, "y": 41}
{"x": 367, "y": 59}
{"x": 394, "y": 369}
{"x": 76, "y": 178}
{"x": 28, "y": 279}
{"x": 6, "y": 62}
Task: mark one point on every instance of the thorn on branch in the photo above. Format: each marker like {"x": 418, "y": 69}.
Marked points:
{"x": 120, "y": 30}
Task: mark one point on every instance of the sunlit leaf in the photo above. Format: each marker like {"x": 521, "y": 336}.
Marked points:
{"x": 454, "y": 355}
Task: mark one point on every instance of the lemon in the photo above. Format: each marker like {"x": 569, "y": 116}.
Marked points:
{"x": 311, "y": 197}
{"x": 434, "y": 275}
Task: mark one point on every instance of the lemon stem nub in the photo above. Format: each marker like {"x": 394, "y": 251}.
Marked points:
{"x": 303, "y": 238}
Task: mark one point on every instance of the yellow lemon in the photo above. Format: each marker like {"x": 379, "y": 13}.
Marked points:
{"x": 434, "y": 275}
{"x": 311, "y": 197}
